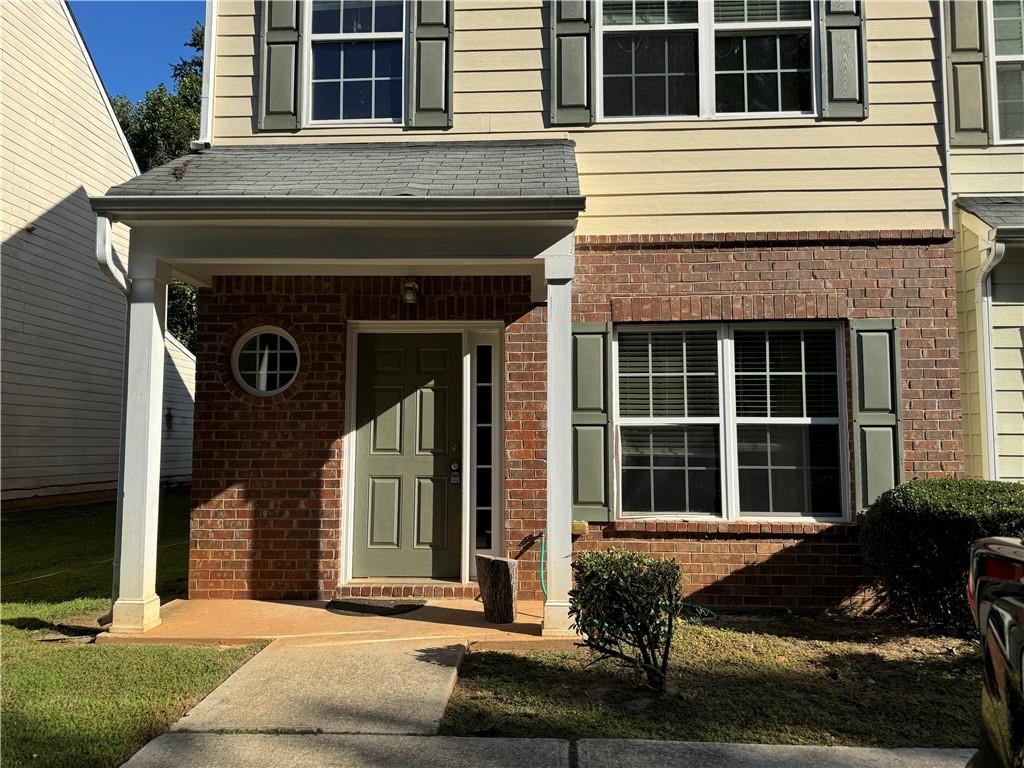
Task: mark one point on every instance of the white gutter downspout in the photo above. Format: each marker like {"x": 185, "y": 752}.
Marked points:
{"x": 209, "y": 62}
{"x": 107, "y": 265}
{"x": 946, "y": 155}
{"x": 995, "y": 255}
{"x": 105, "y": 255}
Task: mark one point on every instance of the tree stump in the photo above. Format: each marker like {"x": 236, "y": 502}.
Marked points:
{"x": 499, "y": 582}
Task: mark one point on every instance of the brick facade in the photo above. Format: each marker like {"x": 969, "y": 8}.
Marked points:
{"x": 267, "y": 485}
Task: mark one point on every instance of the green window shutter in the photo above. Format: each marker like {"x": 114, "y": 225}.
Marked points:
{"x": 967, "y": 101}
{"x": 844, "y": 74}
{"x": 591, "y": 422}
{"x": 280, "y": 43}
{"x": 571, "y": 46}
{"x": 429, "y": 50}
{"x": 877, "y": 432}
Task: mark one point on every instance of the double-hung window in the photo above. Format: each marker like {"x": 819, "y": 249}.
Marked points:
{"x": 1007, "y": 40}
{"x": 672, "y": 58}
{"x": 730, "y": 421}
{"x": 355, "y": 60}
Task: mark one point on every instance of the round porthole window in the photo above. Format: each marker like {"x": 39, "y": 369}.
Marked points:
{"x": 265, "y": 361}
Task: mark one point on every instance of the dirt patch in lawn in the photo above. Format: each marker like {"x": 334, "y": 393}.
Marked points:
{"x": 776, "y": 679}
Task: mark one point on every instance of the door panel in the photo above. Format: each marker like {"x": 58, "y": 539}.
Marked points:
{"x": 408, "y": 508}
{"x": 385, "y": 493}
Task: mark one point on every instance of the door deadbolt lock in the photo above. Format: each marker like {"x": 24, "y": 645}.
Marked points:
{"x": 456, "y": 476}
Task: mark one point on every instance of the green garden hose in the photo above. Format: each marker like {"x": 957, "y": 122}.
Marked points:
{"x": 543, "y": 581}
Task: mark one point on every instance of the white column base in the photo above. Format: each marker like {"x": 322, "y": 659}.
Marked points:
{"x": 557, "y": 622}
{"x": 135, "y": 616}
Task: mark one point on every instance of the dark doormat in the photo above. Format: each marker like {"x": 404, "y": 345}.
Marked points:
{"x": 374, "y": 606}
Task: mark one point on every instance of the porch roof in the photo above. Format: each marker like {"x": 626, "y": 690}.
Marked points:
{"x": 401, "y": 176}
{"x": 1002, "y": 213}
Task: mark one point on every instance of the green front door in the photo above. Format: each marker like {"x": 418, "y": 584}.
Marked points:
{"x": 408, "y": 508}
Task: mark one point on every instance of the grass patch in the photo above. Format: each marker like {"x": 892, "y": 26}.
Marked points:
{"x": 89, "y": 705}
{"x": 795, "y": 681}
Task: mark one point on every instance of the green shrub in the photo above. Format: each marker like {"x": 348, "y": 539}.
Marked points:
{"x": 916, "y": 541}
{"x": 625, "y": 605}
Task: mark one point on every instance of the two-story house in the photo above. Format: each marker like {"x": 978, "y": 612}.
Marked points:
{"x": 986, "y": 120}
{"x": 682, "y": 270}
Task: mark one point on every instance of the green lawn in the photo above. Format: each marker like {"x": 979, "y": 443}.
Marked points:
{"x": 70, "y": 704}
{"x": 783, "y": 681}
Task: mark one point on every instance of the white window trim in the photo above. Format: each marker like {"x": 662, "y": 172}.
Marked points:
{"x": 243, "y": 340}
{"x": 993, "y": 80}
{"x": 705, "y": 27}
{"x": 728, "y": 419}
{"x": 306, "y": 70}
{"x": 493, "y": 340}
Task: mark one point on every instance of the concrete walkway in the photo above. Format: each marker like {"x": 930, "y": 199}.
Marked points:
{"x": 335, "y": 687}
{"x": 200, "y": 750}
{"x": 234, "y": 750}
{"x": 636, "y": 753}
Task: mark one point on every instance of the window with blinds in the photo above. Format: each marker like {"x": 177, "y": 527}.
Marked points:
{"x": 669, "y": 408}
{"x": 730, "y": 421}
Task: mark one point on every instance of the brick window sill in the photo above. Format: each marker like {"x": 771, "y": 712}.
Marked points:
{"x": 733, "y": 527}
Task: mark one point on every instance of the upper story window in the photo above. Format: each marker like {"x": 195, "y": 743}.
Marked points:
{"x": 670, "y": 58}
{"x": 356, "y": 58}
{"x": 1008, "y": 60}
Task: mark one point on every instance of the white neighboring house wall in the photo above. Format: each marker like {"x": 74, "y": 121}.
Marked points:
{"x": 63, "y": 322}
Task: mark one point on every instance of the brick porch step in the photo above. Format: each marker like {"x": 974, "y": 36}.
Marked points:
{"x": 427, "y": 589}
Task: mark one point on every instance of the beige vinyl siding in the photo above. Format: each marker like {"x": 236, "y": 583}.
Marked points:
{"x": 972, "y": 238}
{"x": 179, "y": 399}
{"x": 1008, "y": 362}
{"x": 62, "y": 321}
{"x": 979, "y": 171}
{"x": 672, "y": 176}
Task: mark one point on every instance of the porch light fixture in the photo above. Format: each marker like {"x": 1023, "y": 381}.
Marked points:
{"x": 410, "y": 292}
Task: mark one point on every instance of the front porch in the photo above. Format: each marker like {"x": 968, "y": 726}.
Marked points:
{"x": 281, "y": 505}
{"x": 240, "y": 622}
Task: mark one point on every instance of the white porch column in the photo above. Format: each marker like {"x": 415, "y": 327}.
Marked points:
{"x": 137, "y": 607}
{"x": 558, "y": 273}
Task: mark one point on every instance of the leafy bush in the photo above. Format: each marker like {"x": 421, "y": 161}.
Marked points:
{"x": 625, "y": 605}
{"x": 916, "y": 541}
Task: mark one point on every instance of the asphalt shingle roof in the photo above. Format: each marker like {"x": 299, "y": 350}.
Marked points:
{"x": 995, "y": 211}
{"x": 541, "y": 168}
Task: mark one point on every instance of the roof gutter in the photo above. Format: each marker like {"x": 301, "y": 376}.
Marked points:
{"x": 200, "y": 206}
{"x": 209, "y": 63}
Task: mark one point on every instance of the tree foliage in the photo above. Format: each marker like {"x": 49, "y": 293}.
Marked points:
{"x": 160, "y": 127}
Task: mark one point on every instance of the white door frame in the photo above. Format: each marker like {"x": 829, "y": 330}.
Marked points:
{"x": 349, "y": 468}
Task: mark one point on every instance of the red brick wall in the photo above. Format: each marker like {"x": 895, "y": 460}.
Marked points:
{"x": 267, "y": 471}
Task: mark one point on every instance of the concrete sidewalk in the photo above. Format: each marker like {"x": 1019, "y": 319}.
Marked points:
{"x": 230, "y": 750}
{"x": 360, "y": 751}
{"x": 638, "y": 753}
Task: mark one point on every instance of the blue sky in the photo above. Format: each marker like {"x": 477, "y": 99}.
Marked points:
{"x": 134, "y": 42}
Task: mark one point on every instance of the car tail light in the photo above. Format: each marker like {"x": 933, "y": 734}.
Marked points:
{"x": 1005, "y": 570}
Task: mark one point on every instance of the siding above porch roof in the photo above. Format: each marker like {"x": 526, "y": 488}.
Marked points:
{"x": 449, "y": 169}
{"x": 1005, "y": 212}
